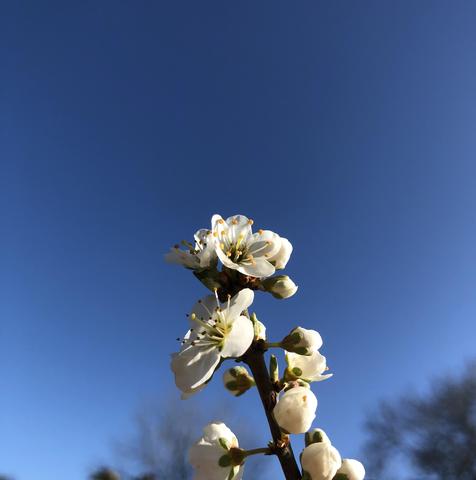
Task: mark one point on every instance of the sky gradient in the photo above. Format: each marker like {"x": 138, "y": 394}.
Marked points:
{"x": 347, "y": 127}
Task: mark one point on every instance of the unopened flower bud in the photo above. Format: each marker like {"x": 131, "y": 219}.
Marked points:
{"x": 280, "y": 286}
{"x": 351, "y": 470}
{"x": 302, "y": 341}
{"x": 259, "y": 328}
{"x": 320, "y": 461}
{"x": 217, "y": 454}
{"x": 316, "y": 435}
{"x": 237, "y": 380}
{"x": 273, "y": 369}
{"x": 295, "y": 410}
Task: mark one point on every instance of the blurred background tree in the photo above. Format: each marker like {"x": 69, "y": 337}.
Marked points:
{"x": 158, "y": 448}
{"x": 104, "y": 473}
{"x": 435, "y": 433}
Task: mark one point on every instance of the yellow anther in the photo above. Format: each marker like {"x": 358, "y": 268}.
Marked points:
{"x": 215, "y": 234}
{"x": 260, "y": 231}
{"x": 234, "y": 221}
{"x": 220, "y": 220}
{"x": 250, "y": 222}
{"x": 228, "y": 254}
{"x": 193, "y": 316}
{"x": 222, "y": 246}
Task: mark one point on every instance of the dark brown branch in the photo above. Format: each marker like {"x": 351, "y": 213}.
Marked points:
{"x": 254, "y": 358}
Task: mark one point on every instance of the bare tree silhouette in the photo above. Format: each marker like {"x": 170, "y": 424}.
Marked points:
{"x": 436, "y": 433}
{"x": 159, "y": 447}
{"x": 104, "y": 473}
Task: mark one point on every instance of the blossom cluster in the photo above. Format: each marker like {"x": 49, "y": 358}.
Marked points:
{"x": 221, "y": 327}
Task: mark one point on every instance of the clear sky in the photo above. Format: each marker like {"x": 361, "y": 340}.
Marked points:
{"x": 347, "y": 127}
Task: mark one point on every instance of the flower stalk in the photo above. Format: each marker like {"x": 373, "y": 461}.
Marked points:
{"x": 254, "y": 358}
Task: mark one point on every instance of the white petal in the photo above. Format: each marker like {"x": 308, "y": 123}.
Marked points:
{"x": 264, "y": 244}
{"x": 352, "y": 468}
{"x": 260, "y": 268}
{"x": 204, "y": 309}
{"x": 321, "y": 461}
{"x": 239, "y": 339}
{"x": 217, "y": 220}
{"x": 281, "y": 259}
{"x": 189, "y": 393}
{"x": 296, "y": 409}
{"x": 225, "y": 260}
{"x": 204, "y": 459}
{"x": 238, "y": 226}
{"x": 240, "y": 302}
{"x": 312, "y": 366}
{"x": 193, "y": 366}
{"x": 182, "y": 257}
{"x": 311, "y": 339}
{"x": 216, "y": 430}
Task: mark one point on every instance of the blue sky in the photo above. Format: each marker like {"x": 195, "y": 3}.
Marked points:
{"x": 347, "y": 127}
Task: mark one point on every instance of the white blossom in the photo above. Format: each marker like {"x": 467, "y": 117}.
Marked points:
{"x": 200, "y": 256}
{"x": 303, "y": 341}
{"x": 321, "y": 461}
{"x": 209, "y": 456}
{"x": 307, "y": 367}
{"x": 249, "y": 253}
{"x": 353, "y": 469}
{"x": 296, "y": 409}
{"x": 218, "y": 331}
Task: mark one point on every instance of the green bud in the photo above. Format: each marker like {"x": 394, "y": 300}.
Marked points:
{"x": 316, "y": 435}
{"x": 237, "y": 380}
{"x": 274, "y": 369}
{"x": 280, "y": 286}
{"x": 302, "y": 341}
{"x": 259, "y": 328}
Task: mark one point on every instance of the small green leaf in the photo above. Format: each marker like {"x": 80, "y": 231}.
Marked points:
{"x": 224, "y": 443}
{"x": 233, "y": 472}
{"x": 225, "y": 460}
{"x": 273, "y": 368}
{"x": 297, "y": 371}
